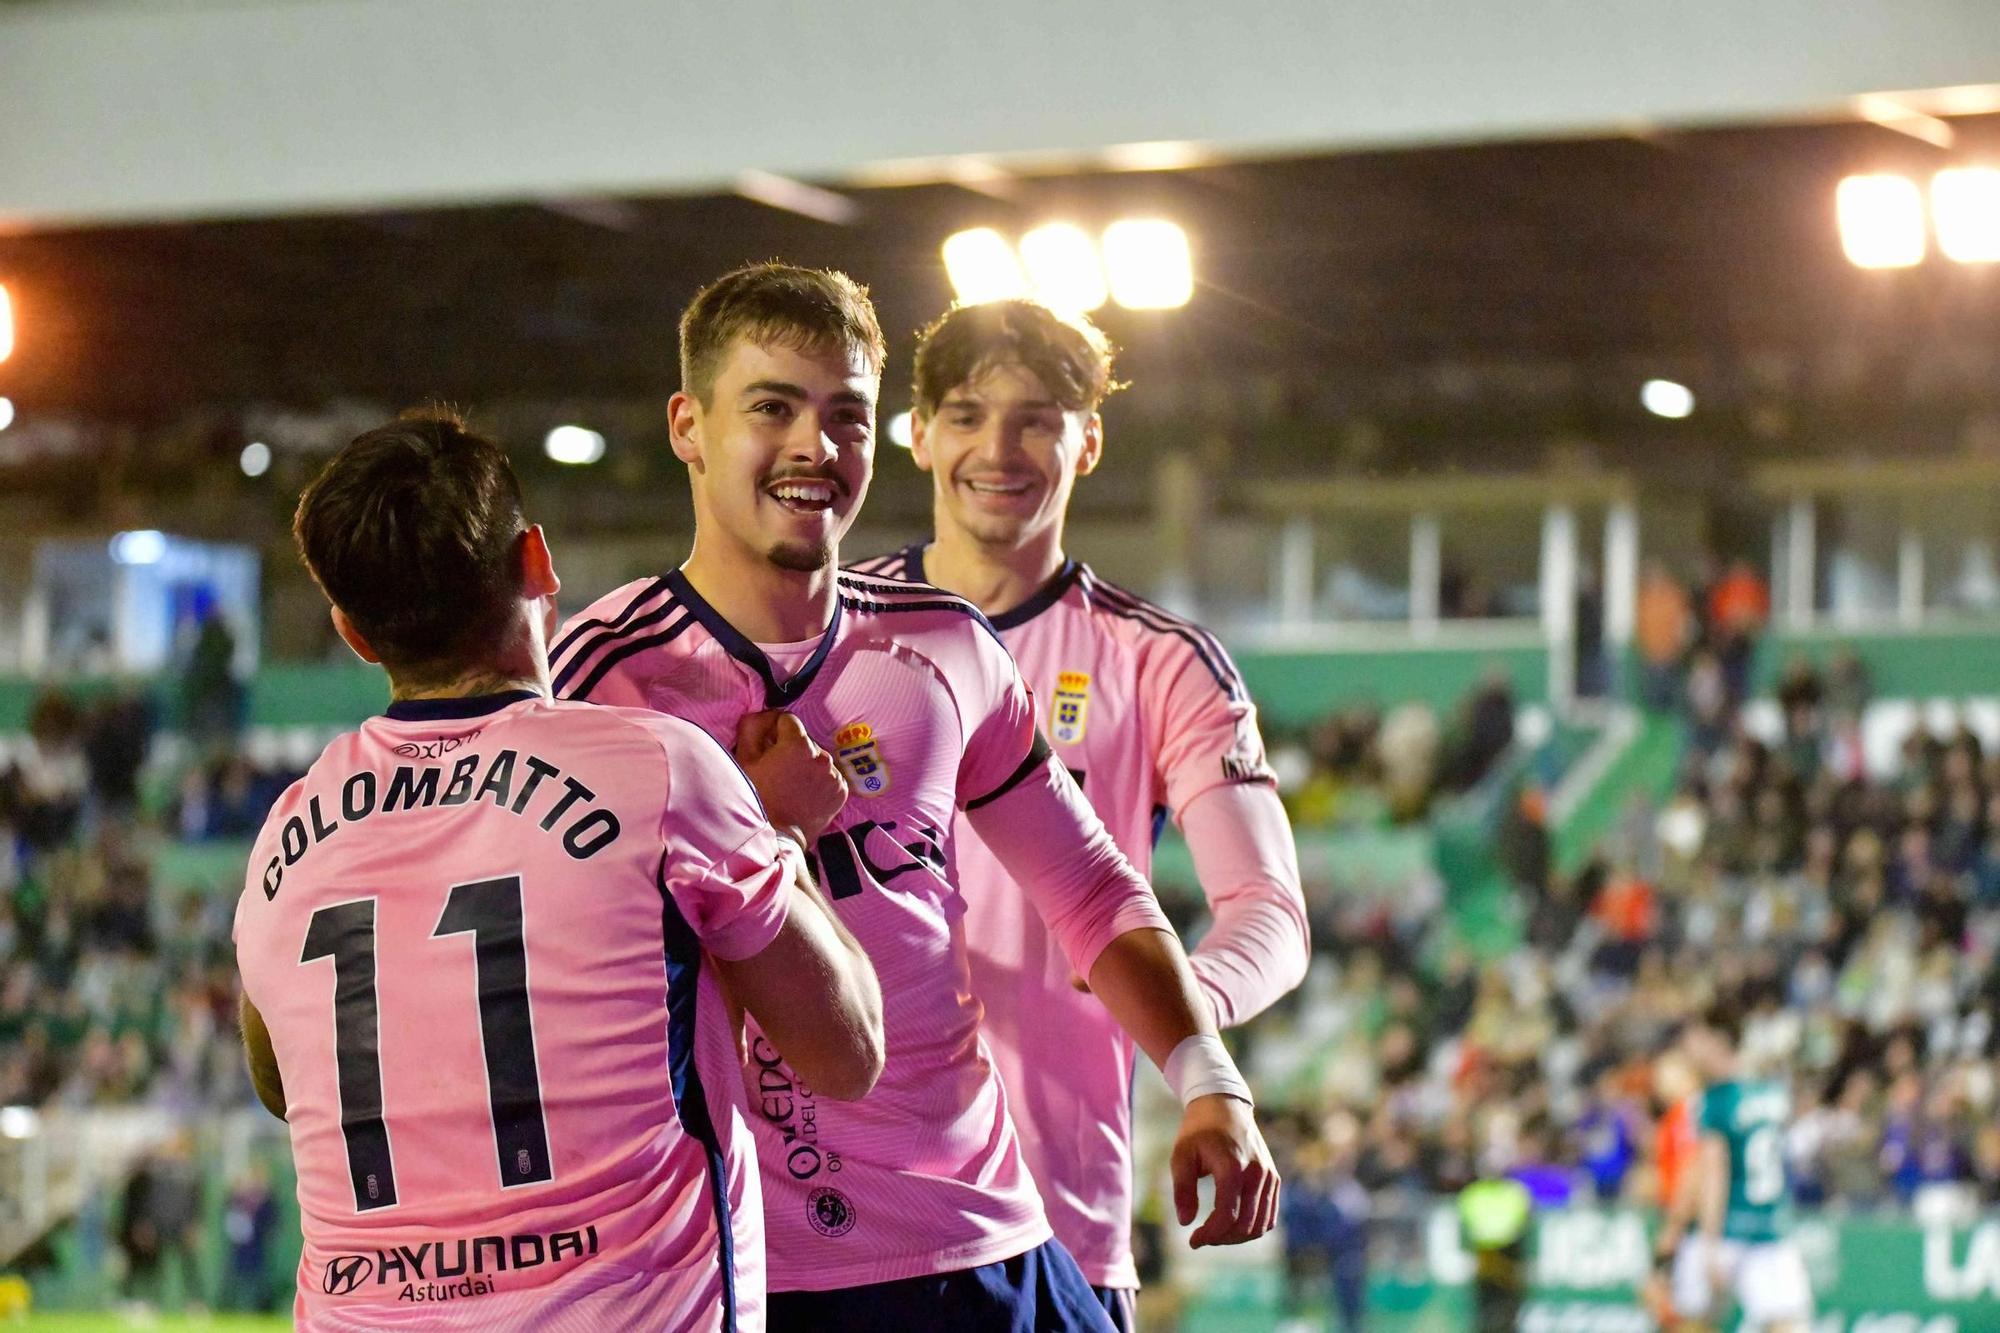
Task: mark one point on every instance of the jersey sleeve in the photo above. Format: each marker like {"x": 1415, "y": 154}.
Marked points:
{"x": 723, "y": 865}
{"x": 1202, "y": 725}
{"x": 594, "y": 656}
{"x": 1257, "y": 947}
{"x": 997, "y": 719}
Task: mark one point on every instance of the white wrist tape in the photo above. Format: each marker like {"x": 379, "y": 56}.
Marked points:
{"x": 1200, "y": 1067}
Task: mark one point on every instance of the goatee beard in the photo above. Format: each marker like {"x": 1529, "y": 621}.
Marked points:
{"x": 801, "y": 557}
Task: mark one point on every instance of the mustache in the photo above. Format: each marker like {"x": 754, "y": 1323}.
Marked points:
{"x": 831, "y": 478}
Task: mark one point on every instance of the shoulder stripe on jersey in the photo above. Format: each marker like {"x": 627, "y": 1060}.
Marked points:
{"x": 936, "y": 604}
{"x": 1042, "y": 598}
{"x": 625, "y": 650}
{"x": 577, "y": 660}
{"x": 683, "y": 956}
{"x": 891, "y": 586}
{"x": 880, "y": 566}
{"x": 1125, "y": 606}
{"x": 1038, "y": 754}
{"x": 652, "y": 589}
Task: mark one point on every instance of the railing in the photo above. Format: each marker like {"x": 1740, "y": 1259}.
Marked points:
{"x": 51, "y": 1161}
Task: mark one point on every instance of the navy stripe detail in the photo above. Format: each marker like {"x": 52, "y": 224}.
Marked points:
{"x": 1126, "y": 607}
{"x": 683, "y": 956}
{"x": 909, "y": 560}
{"x": 625, "y": 650}
{"x": 651, "y": 589}
{"x": 913, "y": 561}
{"x": 1038, "y": 754}
{"x": 890, "y": 608}
{"x": 891, "y": 586}
{"x": 1168, "y": 618}
{"x": 457, "y": 706}
{"x": 609, "y": 637}
{"x": 738, "y": 646}
{"x": 1042, "y": 598}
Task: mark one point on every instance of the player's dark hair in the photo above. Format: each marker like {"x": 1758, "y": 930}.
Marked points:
{"x": 413, "y": 530}
{"x": 1067, "y": 353}
{"x": 776, "y": 304}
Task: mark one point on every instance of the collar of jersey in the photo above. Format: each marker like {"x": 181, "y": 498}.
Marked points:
{"x": 740, "y": 647}
{"x": 1039, "y": 601}
{"x": 464, "y": 705}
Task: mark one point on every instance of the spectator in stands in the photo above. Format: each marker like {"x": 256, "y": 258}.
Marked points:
{"x": 160, "y": 1220}
{"x": 211, "y": 697}
{"x": 250, "y": 1222}
{"x": 1664, "y": 627}
{"x": 1739, "y": 606}
{"x": 44, "y": 792}
{"x": 1325, "y": 1218}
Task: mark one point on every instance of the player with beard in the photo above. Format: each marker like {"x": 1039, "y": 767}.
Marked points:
{"x": 1144, "y": 708}
{"x": 484, "y": 942}
{"x": 912, "y": 1208}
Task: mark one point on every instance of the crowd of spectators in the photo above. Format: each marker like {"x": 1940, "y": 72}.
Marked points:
{"x": 1852, "y": 918}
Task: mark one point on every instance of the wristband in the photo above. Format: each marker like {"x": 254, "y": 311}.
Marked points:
{"x": 1200, "y": 1067}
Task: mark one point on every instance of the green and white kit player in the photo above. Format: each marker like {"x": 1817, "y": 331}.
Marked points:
{"x": 1745, "y": 1208}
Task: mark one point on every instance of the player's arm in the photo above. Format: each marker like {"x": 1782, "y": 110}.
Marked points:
{"x": 1257, "y": 946}
{"x": 1712, "y": 1174}
{"x": 262, "y": 1059}
{"x": 1210, "y": 771}
{"x": 1104, "y": 916}
{"x": 811, "y": 989}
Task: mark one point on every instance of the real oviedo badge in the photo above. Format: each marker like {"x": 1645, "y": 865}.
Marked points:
{"x": 1070, "y": 708}
{"x": 855, "y": 750}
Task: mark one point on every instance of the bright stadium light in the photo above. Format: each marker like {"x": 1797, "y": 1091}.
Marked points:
{"x": 1881, "y": 221}
{"x": 983, "y": 267}
{"x": 574, "y": 445}
{"x": 1665, "y": 398}
{"x": 1965, "y": 207}
{"x": 899, "y": 430}
{"x": 6, "y": 413}
{"x": 145, "y": 547}
{"x": 255, "y": 459}
{"x": 1063, "y": 265}
{"x": 1148, "y": 264}
{"x": 6, "y": 323}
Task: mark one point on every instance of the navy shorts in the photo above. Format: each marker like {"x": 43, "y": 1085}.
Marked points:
{"x": 1121, "y": 1303}
{"x": 1042, "y": 1291}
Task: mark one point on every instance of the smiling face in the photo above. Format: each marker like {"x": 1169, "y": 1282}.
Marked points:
{"x": 781, "y": 451}
{"x": 1004, "y": 455}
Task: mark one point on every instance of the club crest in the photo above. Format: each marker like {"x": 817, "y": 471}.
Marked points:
{"x": 1070, "y": 708}
{"x": 860, "y": 757}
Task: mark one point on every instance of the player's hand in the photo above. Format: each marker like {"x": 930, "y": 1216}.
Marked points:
{"x": 798, "y": 782}
{"x": 1219, "y": 1138}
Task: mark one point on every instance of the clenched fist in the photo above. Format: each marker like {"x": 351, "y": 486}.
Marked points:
{"x": 798, "y": 782}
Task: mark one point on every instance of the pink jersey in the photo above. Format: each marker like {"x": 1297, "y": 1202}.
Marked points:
{"x": 475, "y": 931}
{"x": 1148, "y": 713}
{"x": 912, "y": 693}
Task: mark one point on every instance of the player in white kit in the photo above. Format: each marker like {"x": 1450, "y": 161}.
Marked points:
{"x": 912, "y": 1208}
{"x": 481, "y": 942}
{"x": 1144, "y": 708}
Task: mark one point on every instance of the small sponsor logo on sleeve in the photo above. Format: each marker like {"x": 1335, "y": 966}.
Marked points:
{"x": 1070, "y": 709}
{"x": 859, "y": 755}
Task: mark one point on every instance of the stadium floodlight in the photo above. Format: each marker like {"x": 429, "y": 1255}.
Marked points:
{"x": 6, "y": 323}
{"x": 144, "y": 547}
{"x": 574, "y": 445}
{"x": 1881, "y": 221}
{"x": 1965, "y": 208}
{"x": 1064, "y": 268}
{"x": 6, "y": 413}
{"x": 983, "y": 267}
{"x": 899, "y": 430}
{"x": 1147, "y": 262}
{"x": 255, "y": 459}
{"x": 19, "y": 1122}
{"x": 1665, "y": 398}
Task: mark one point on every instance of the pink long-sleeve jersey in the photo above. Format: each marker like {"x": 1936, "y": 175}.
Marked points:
{"x": 913, "y": 694}
{"x": 476, "y": 931}
{"x": 1149, "y": 714}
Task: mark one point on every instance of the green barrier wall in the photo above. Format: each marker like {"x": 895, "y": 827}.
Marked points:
{"x": 1869, "y": 1276}
{"x": 1296, "y": 688}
